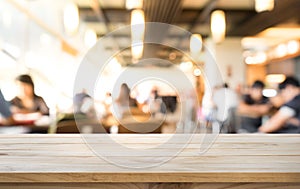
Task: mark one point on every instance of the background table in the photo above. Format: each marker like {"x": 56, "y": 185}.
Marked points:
{"x": 233, "y": 161}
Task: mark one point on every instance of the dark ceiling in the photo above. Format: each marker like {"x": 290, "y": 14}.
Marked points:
{"x": 239, "y": 21}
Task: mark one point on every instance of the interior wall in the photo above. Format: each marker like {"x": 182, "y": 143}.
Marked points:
{"x": 286, "y": 67}
{"x": 229, "y": 56}
{"x": 255, "y": 72}
{"x": 169, "y": 80}
{"x": 297, "y": 67}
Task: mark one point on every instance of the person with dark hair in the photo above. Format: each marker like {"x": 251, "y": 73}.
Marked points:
{"x": 287, "y": 118}
{"x": 124, "y": 102}
{"x": 79, "y": 101}
{"x": 27, "y": 101}
{"x": 124, "y": 98}
{"x": 253, "y": 107}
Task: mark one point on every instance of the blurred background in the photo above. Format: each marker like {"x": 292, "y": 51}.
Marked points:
{"x": 249, "y": 40}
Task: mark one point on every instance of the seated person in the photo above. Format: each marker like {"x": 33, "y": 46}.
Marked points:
{"x": 124, "y": 102}
{"x": 253, "y": 107}
{"x": 27, "y": 101}
{"x": 5, "y": 111}
{"x": 287, "y": 119}
{"x": 225, "y": 101}
{"x": 79, "y": 101}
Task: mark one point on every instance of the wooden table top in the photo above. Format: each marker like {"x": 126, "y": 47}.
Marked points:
{"x": 68, "y": 158}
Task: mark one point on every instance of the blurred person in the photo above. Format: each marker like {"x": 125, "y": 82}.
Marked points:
{"x": 253, "y": 107}
{"x": 287, "y": 118}
{"x": 5, "y": 111}
{"x": 154, "y": 102}
{"x": 225, "y": 100}
{"x": 80, "y": 102}
{"x": 124, "y": 98}
{"x": 84, "y": 106}
{"x": 27, "y": 101}
{"x": 124, "y": 101}
{"x": 107, "y": 103}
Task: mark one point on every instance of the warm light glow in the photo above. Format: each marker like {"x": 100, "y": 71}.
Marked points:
{"x": 275, "y": 78}
{"x": 195, "y": 43}
{"x": 269, "y": 93}
{"x": 264, "y": 5}
{"x": 281, "y": 51}
{"x": 137, "y": 33}
{"x": 218, "y": 25}
{"x": 134, "y": 4}
{"x": 293, "y": 47}
{"x": 197, "y": 72}
{"x": 114, "y": 65}
{"x": 257, "y": 58}
{"x": 137, "y": 50}
{"x": 71, "y": 18}
{"x": 137, "y": 25}
{"x": 186, "y": 66}
{"x": 90, "y": 38}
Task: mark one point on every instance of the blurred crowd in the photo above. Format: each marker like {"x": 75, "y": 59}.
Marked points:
{"x": 246, "y": 111}
{"x": 252, "y": 112}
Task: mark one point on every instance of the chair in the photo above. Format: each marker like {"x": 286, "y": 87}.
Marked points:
{"x": 79, "y": 126}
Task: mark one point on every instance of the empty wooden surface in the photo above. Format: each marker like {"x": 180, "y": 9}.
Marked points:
{"x": 231, "y": 159}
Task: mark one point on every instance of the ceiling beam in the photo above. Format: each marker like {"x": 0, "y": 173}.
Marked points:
{"x": 204, "y": 15}
{"x": 283, "y": 11}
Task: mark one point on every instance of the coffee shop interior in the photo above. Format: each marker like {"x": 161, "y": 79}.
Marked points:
{"x": 149, "y": 66}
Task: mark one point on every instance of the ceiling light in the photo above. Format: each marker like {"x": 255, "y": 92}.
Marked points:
{"x": 261, "y": 57}
{"x": 293, "y": 47}
{"x": 186, "y": 66}
{"x": 264, "y": 5}
{"x": 137, "y": 25}
{"x": 137, "y": 33}
{"x": 197, "y": 72}
{"x": 281, "y": 51}
{"x": 256, "y": 58}
{"x": 269, "y": 93}
{"x": 134, "y": 4}
{"x": 71, "y": 18}
{"x": 137, "y": 50}
{"x": 275, "y": 78}
{"x": 218, "y": 25}
{"x": 195, "y": 43}
{"x": 90, "y": 38}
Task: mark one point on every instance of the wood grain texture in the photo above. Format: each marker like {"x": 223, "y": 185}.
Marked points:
{"x": 151, "y": 186}
{"x": 235, "y": 159}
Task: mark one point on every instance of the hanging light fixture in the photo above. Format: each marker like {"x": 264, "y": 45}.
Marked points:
{"x": 137, "y": 33}
{"x": 293, "y": 46}
{"x": 134, "y": 4}
{"x": 195, "y": 43}
{"x": 137, "y": 50}
{"x": 137, "y": 25}
{"x": 90, "y": 38}
{"x": 71, "y": 18}
{"x": 264, "y": 5}
{"x": 218, "y": 26}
